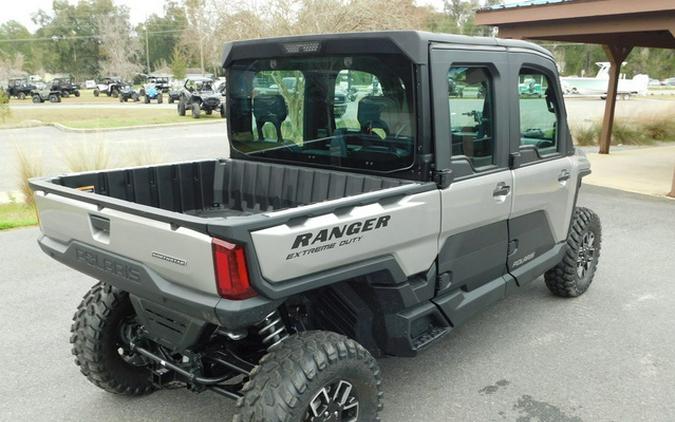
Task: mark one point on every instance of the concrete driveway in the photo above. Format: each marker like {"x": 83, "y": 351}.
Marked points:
{"x": 606, "y": 356}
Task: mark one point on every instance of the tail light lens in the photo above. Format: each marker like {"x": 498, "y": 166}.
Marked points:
{"x": 229, "y": 261}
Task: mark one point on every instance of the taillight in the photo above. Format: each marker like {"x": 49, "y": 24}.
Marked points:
{"x": 229, "y": 261}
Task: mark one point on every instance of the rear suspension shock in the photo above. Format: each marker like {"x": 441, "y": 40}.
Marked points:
{"x": 272, "y": 330}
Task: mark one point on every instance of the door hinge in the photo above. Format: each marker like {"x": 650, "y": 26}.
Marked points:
{"x": 443, "y": 178}
{"x": 515, "y": 160}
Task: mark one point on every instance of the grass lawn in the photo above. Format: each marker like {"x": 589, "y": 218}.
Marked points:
{"x": 16, "y": 215}
{"x": 83, "y": 118}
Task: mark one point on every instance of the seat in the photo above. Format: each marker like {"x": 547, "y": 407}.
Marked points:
{"x": 370, "y": 111}
{"x": 269, "y": 108}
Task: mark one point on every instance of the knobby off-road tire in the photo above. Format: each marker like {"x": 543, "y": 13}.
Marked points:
{"x": 96, "y": 336}
{"x": 322, "y": 368}
{"x": 196, "y": 110}
{"x": 574, "y": 274}
{"x": 181, "y": 108}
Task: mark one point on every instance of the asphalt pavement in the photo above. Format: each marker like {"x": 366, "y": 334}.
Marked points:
{"x": 47, "y": 144}
{"x": 606, "y": 356}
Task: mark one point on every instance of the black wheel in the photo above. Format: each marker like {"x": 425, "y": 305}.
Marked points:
{"x": 77, "y": 93}
{"x": 122, "y": 99}
{"x": 170, "y": 99}
{"x": 313, "y": 376}
{"x": 134, "y": 97}
{"x": 195, "y": 110}
{"x": 147, "y": 99}
{"x": 574, "y": 274}
{"x": 21, "y": 96}
{"x": 37, "y": 99}
{"x": 222, "y": 111}
{"x": 96, "y": 93}
{"x": 115, "y": 93}
{"x": 53, "y": 98}
{"x": 181, "y": 108}
{"x": 160, "y": 99}
{"x": 209, "y": 112}
{"x": 100, "y": 332}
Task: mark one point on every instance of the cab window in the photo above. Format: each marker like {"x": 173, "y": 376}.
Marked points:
{"x": 538, "y": 112}
{"x": 470, "y": 97}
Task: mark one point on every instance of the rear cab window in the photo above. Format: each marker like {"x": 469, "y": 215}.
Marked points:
{"x": 340, "y": 111}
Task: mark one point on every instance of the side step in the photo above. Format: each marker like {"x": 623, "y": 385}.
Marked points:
{"x": 423, "y": 341}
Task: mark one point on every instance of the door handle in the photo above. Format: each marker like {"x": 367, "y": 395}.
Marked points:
{"x": 564, "y": 175}
{"x": 502, "y": 189}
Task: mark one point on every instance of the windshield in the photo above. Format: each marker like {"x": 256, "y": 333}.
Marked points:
{"x": 344, "y": 111}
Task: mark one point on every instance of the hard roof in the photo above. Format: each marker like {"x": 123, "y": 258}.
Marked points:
{"x": 414, "y": 44}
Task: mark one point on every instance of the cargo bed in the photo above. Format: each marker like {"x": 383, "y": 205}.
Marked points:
{"x": 212, "y": 189}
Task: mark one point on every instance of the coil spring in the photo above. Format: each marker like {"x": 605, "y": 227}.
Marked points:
{"x": 272, "y": 330}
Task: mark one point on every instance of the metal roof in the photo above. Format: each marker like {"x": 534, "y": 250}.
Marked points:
{"x": 525, "y": 3}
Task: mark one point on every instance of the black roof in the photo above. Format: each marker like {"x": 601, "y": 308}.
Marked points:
{"x": 414, "y": 44}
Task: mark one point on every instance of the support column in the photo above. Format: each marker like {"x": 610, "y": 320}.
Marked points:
{"x": 616, "y": 55}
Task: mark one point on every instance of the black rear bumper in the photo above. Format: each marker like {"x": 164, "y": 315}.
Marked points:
{"x": 146, "y": 284}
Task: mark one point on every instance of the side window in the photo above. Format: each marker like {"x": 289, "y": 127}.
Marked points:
{"x": 538, "y": 113}
{"x": 470, "y": 97}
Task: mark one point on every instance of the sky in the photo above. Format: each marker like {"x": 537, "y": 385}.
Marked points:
{"x": 138, "y": 9}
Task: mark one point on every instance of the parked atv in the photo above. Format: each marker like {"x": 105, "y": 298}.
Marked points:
{"x": 161, "y": 80}
{"x": 198, "y": 95}
{"x": 19, "y": 88}
{"x": 65, "y": 85}
{"x": 43, "y": 92}
{"x": 109, "y": 86}
{"x": 152, "y": 92}
{"x": 127, "y": 92}
{"x": 175, "y": 89}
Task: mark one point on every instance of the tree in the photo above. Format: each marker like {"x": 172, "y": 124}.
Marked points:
{"x": 119, "y": 49}
{"x": 163, "y": 32}
{"x": 72, "y": 31}
{"x": 178, "y": 63}
{"x": 14, "y": 42}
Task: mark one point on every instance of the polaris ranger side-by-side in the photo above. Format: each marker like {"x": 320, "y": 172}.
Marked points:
{"x": 277, "y": 276}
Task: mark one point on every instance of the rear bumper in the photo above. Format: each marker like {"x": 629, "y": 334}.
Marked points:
{"x": 144, "y": 283}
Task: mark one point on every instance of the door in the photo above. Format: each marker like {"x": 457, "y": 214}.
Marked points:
{"x": 472, "y": 141}
{"x": 544, "y": 180}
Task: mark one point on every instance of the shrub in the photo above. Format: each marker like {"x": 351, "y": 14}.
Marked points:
{"x": 586, "y": 135}
{"x": 86, "y": 156}
{"x": 30, "y": 165}
{"x": 629, "y": 133}
{"x": 660, "y": 128}
{"x": 142, "y": 154}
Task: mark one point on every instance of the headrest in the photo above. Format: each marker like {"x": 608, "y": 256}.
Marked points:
{"x": 269, "y": 106}
{"x": 372, "y": 107}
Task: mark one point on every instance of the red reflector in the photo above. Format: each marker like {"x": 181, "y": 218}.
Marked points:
{"x": 229, "y": 261}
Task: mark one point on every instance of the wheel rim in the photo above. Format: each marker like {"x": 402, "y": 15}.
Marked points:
{"x": 586, "y": 254}
{"x": 335, "y": 402}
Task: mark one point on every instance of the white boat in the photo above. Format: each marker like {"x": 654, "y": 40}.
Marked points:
{"x": 597, "y": 86}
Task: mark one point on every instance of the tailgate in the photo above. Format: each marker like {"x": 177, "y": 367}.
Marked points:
{"x": 179, "y": 255}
